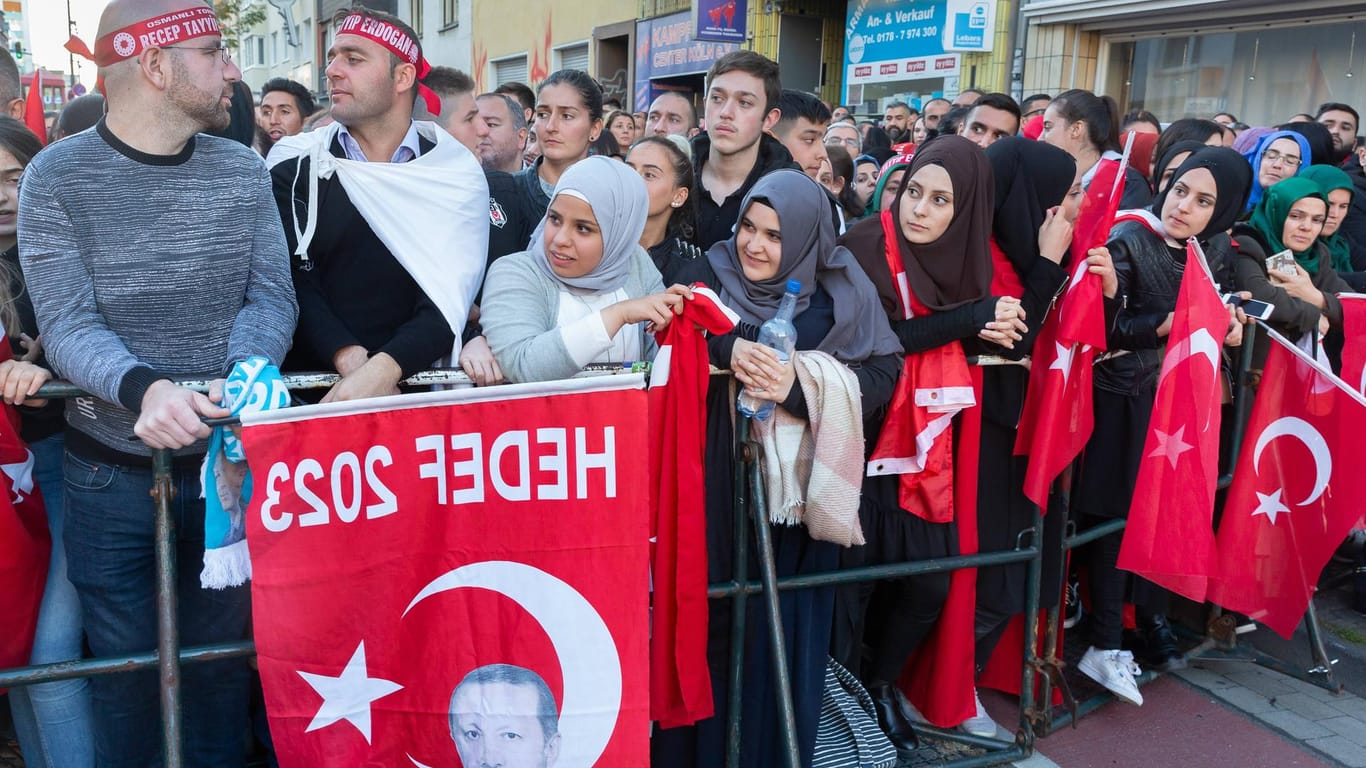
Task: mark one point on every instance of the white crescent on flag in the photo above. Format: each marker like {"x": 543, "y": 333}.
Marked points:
{"x": 1305, "y": 433}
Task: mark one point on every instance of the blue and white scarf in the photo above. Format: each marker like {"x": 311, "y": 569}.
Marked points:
{"x": 254, "y": 385}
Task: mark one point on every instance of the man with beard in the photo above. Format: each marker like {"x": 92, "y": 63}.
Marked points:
{"x": 1342, "y": 121}
{"x": 153, "y": 251}
{"x": 501, "y": 149}
{"x": 388, "y": 259}
{"x": 898, "y": 120}
{"x": 285, "y": 105}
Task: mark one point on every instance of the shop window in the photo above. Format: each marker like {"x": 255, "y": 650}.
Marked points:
{"x": 1262, "y": 76}
{"x": 415, "y": 15}
{"x": 450, "y": 13}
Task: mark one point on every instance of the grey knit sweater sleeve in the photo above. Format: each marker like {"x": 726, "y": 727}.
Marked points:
{"x": 520, "y": 309}
{"x": 144, "y": 267}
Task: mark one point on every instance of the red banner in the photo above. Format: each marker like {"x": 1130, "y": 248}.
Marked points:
{"x": 1354, "y": 336}
{"x": 25, "y": 545}
{"x": 455, "y": 578}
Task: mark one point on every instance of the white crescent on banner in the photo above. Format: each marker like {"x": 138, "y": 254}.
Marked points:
{"x": 589, "y": 663}
{"x": 1305, "y": 433}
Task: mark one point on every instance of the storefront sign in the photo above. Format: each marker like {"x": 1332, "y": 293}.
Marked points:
{"x": 971, "y": 24}
{"x": 666, "y": 47}
{"x": 719, "y": 21}
{"x": 892, "y": 40}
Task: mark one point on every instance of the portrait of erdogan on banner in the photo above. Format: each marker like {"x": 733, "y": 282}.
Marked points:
{"x": 504, "y": 715}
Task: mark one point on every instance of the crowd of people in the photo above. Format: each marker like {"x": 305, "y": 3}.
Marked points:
{"x": 180, "y": 224}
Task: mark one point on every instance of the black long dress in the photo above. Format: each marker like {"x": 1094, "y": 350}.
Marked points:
{"x": 806, "y": 614}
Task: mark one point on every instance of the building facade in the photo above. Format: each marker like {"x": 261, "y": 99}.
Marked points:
{"x": 444, "y": 29}
{"x": 1261, "y": 60}
{"x": 287, "y": 43}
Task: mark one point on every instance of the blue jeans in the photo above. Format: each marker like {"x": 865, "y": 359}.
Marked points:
{"x": 53, "y": 719}
{"x": 110, "y": 545}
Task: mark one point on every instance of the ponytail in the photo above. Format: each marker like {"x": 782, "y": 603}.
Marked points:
{"x": 1100, "y": 113}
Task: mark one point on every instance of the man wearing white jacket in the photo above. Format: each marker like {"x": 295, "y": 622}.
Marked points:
{"x": 387, "y": 218}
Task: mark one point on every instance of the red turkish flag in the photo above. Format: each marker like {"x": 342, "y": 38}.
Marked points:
{"x": 1058, "y": 418}
{"x": 680, "y": 685}
{"x": 1354, "y": 340}
{"x": 455, "y": 578}
{"x": 33, "y": 108}
{"x": 25, "y": 545}
{"x": 1296, "y": 491}
{"x": 1169, "y": 539}
{"x": 1085, "y": 324}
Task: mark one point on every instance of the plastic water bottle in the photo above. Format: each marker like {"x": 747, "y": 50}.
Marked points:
{"x": 780, "y": 335}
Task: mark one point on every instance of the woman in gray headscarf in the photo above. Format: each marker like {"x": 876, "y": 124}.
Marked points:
{"x": 584, "y": 291}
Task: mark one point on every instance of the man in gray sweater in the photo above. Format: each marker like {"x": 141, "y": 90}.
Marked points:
{"x": 152, "y": 252}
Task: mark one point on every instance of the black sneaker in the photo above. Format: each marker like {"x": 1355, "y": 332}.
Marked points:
{"x": 1163, "y": 652}
{"x": 1071, "y": 605}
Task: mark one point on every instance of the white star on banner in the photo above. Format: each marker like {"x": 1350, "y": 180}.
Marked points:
{"x": 1063, "y": 362}
{"x": 349, "y": 695}
{"x": 1171, "y": 445}
{"x": 1270, "y": 504}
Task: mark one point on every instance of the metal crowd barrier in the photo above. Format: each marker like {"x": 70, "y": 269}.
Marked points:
{"x": 749, "y": 494}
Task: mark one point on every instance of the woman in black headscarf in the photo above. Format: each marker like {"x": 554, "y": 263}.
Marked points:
{"x": 1171, "y": 158}
{"x": 1205, "y": 196}
{"x": 1031, "y": 233}
{"x": 930, "y": 257}
{"x": 1320, "y": 142}
{"x": 785, "y": 232}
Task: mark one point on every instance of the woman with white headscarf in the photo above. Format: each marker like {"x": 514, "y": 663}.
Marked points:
{"x": 585, "y": 291}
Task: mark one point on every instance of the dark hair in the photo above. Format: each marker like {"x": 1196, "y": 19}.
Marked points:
{"x": 11, "y": 87}
{"x": 588, "y": 89}
{"x": 1185, "y": 129}
{"x": 520, "y": 92}
{"x": 842, "y": 166}
{"x": 79, "y": 114}
{"x": 1308, "y": 118}
{"x": 1337, "y": 106}
{"x": 515, "y": 111}
{"x": 613, "y": 102}
{"x": 1140, "y": 116}
{"x": 1320, "y": 141}
{"x": 927, "y": 104}
{"x": 448, "y": 81}
{"x": 508, "y": 674}
{"x": 683, "y": 220}
{"x": 606, "y": 145}
{"x": 899, "y": 105}
{"x": 951, "y": 121}
{"x": 1036, "y": 97}
{"x": 241, "y": 126}
{"x": 751, "y": 63}
{"x": 18, "y": 140}
{"x": 1100, "y": 113}
{"x": 392, "y": 20}
{"x": 1232, "y": 117}
{"x": 878, "y": 144}
{"x": 795, "y": 104}
{"x": 999, "y": 101}
{"x": 303, "y": 100}
{"x": 980, "y": 93}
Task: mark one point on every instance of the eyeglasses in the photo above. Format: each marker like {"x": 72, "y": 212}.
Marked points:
{"x": 1289, "y": 161}
{"x": 1034, "y": 112}
{"x": 215, "y": 50}
{"x": 852, "y": 142}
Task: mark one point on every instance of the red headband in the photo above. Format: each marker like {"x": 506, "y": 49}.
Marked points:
{"x": 397, "y": 42}
{"x": 157, "y": 32}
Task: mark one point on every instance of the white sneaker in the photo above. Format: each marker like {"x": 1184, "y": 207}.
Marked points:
{"x": 981, "y": 723}
{"x": 1115, "y": 670}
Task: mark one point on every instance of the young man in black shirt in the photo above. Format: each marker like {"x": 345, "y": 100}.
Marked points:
{"x": 743, "y": 90}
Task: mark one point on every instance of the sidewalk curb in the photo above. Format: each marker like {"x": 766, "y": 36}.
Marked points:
{"x": 1331, "y": 725}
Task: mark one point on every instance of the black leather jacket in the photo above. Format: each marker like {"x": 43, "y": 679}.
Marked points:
{"x": 1149, "y": 273}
